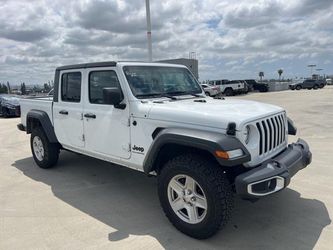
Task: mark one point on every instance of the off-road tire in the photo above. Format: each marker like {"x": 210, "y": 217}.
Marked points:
{"x": 315, "y": 86}
{"x": 229, "y": 92}
{"x": 298, "y": 87}
{"x": 51, "y": 150}
{"x": 215, "y": 185}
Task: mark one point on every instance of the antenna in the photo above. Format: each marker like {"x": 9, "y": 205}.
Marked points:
{"x": 150, "y": 50}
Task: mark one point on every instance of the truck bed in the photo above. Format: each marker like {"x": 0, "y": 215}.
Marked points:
{"x": 40, "y": 103}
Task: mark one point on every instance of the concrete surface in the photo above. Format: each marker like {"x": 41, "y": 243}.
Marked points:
{"x": 85, "y": 203}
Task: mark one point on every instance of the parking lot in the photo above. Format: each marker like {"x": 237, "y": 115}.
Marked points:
{"x": 85, "y": 203}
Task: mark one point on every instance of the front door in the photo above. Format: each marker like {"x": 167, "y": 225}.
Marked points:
{"x": 106, "y": 128}
{"x": 67, "y": 112}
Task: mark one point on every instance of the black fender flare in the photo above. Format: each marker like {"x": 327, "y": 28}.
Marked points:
{"x": 204, "y": 140}
{"x": 292, "y": 130}
{"x": 44, "y": 120}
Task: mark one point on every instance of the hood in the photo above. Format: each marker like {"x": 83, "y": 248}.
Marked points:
{"x": 9, "y": 100}
{"x": 215, "y": 113}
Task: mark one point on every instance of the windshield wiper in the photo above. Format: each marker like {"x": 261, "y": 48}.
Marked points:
{"x": 157, "y": 95}
{"x": 185, "y": 93}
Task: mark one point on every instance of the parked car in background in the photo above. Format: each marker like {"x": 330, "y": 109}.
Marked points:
{"x": 210, "y": 90}
{"x": 329, "y": 81}
{"x": 308, "y": 84}
{"x": 261, "y": 87}
{"x": 247, "y": 87}
{"x": 229, "y": 88}
{"x": 9, "y": 106}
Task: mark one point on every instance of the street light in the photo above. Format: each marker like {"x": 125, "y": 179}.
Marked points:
{"x": 311, "y": 66}
{"x": 150, "y": 50}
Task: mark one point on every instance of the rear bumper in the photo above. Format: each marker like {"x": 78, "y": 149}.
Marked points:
{"x": 274, "y": 174}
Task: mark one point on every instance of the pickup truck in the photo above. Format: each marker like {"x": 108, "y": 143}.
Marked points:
{"x": 155, "y": 118}
{"x": 229, "y": 88}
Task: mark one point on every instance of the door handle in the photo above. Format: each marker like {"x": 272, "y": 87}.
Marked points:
{"x": 63, "y": 112}
{"x": 90, "y": 115}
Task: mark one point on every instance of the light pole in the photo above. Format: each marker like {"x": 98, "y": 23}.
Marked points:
{"x": 311, "y": 66}
{"x": 150, "y": 50}
{"x": 319, "y": 72}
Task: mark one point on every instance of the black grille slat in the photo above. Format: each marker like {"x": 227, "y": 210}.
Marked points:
{"x": 260, "y": 138}
{"x": 266, "y": 137}
{"x": 278, "y": 131}
{"x": 274, "y": 134}
{"x": 270, "y": 134}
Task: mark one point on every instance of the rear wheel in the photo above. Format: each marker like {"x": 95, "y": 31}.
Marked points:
{"x": 229, "y": 92}
{"x": 45, "y": 154}
{"x": 195, "y": 195}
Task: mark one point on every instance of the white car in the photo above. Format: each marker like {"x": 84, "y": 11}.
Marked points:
{"x": 210, "y": 90}
{"x": 155, "y": 118}
{"x": 229, "y": 88}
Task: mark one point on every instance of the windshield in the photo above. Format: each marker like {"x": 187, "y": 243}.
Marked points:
{"x": 153, "y": 81}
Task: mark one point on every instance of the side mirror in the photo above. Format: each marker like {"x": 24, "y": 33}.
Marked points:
{"x": 113, "y": 96}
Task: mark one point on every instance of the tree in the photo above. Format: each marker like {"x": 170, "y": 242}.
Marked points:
{"x": 3, "y": 88}
{"x": 23, "y": 89}
{"x": 46, "y": 87}
{"x": 8, "y": 88}
{"x": 280, "y": 71}
{"x": 261, "y": 75}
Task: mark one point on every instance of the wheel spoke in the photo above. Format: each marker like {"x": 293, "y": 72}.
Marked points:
{"x": 190, "y": 183}
{"x": 178, "y": 204}
{"x": 200, "y": 202}
{"x": 192, "y": 213}
{"x": 176, "y": 186}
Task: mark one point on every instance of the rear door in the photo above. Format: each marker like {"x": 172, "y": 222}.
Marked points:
{"x": 67, "y": 111}
{"x": 106, "y": 128}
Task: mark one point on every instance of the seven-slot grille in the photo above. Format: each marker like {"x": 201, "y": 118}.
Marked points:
{"x": 272, "y": 133}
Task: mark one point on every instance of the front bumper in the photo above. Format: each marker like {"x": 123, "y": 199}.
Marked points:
{"x": 274, "y": 174}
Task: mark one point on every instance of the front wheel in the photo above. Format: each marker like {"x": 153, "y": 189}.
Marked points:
{"x": 298, "y": 87}
{"x": 207, "y": 93}
{"x": 45, "y": 154}
{"x": 195, "y": 195}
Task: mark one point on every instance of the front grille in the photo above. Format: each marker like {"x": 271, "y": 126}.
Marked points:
{"x": 272, "y": 133}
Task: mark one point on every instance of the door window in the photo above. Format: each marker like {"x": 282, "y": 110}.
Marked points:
{"x": 71, "y": 87}
{"x": 99, "y": 80}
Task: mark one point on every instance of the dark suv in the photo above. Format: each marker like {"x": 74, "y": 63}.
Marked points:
{"x": 308, "y": 84}
{"x": 261, "y": 87}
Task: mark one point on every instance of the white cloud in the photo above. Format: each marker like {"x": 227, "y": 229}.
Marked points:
{"x": 232, "y": 39}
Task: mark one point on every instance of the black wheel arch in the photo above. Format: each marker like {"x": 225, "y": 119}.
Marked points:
{"x": 203, "y": 142}
{"x": 41, "y": 118}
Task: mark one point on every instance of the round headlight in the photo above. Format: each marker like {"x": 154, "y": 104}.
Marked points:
{"x": 246, "y": 134}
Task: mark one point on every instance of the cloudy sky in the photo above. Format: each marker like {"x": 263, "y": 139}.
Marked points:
{"x": 232, "y": 39}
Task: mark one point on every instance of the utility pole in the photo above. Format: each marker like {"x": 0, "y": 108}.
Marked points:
{"x": 150, "y": 50}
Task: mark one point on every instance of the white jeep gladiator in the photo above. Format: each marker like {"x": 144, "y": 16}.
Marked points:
{"x": 155, "y": 118}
